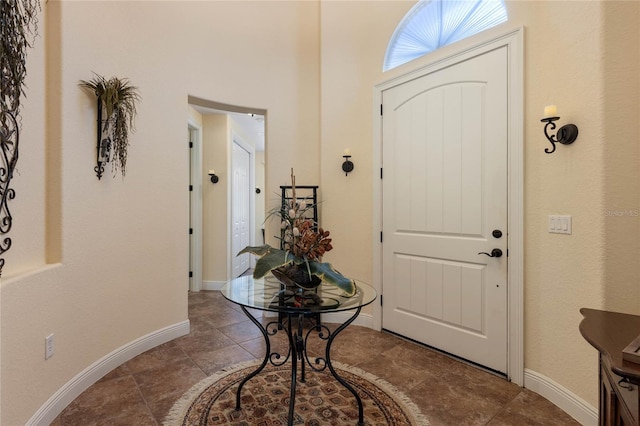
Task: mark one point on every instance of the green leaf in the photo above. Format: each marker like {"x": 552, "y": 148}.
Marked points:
{"x": 326, "y": 273}
{"x": 270, "y": 258}
{"x": 258, "y": 250}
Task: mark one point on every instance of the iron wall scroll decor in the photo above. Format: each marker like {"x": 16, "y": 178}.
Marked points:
{"x": 116, "y": 113}
{"x": 9, "y": 135}
{"x": 19, "y": 24}
{"x": 565, "y": 135}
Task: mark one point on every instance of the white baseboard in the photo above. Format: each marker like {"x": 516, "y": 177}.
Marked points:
{"x": 212, "y": 285}
{"x": 364, "y": 320}
{"x": 576, "y": 407}
{"x": 74, "y": 387}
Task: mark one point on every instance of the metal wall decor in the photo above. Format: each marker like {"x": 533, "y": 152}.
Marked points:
{"x": 103, "y": 147}
{"x": 347, "y": 166}
{"x": 9, "y": 138}
{"x": 18, "y": 31}
{"x": 566, "y": 134}
{"x": 116, "y": 113}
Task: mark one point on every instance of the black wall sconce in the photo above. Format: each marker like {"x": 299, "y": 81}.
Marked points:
{"x": 214, "y": 177}
{"x": 565, "y": 135}
{"x": 347, "y": 166}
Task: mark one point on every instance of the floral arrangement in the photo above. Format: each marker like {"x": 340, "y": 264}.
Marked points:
{"x": 118, "y": 98}
{"x": 300, "y": 260}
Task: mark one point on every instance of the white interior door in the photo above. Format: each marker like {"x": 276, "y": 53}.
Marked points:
{"x": 444, "y": 191}
{"x": 240, "y": 208}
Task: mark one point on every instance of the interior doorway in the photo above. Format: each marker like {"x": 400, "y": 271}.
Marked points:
{"x": 213, "y": 250}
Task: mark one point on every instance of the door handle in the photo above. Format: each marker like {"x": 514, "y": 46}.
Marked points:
{"x": 496, "y": 252}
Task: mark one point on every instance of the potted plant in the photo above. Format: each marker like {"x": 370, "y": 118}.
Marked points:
{"x": 299, "y": 262}
{"x": 117, "y": 98}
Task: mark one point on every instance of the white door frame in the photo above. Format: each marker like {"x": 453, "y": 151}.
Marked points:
{"x": 513, "y": 40}
{"x": 195, "y": 153}
{"x": 235, "y": 138}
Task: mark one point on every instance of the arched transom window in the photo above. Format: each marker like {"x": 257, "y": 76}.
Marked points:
{"x": 431, "y": 24}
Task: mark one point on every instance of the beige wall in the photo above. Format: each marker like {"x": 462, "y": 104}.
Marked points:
{"x": 215, "y": 147}
{"x": 312, "y": 67}
{"x": 562, "y": 273}
{"x": 621, "y": 117}
{"x": 124, "y": 249}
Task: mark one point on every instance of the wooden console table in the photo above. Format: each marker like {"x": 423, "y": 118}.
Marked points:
{"x": 609, "y": 333}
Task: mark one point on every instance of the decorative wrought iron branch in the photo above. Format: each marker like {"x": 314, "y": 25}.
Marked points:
{"x": 9, "y": 138}
{"x": 19, "y": 24}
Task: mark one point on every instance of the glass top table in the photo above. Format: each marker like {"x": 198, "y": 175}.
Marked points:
{"x": 299, "y": 317}
{"x": 268, "y": 294}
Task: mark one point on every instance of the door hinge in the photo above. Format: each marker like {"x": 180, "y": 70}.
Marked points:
{"x": 190, "y": 231}
{"x": 190, "y": 274}
{"x": 380, "y": 236}
{"x": 380, "y": 109}
{"x": 190, "y": 187}
{"x": 380, "y": 172}
{"x": 380, "y": 300}
{"x": 190, "y": 144}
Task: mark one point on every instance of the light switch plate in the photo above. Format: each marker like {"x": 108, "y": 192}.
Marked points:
{"x": 560, "y": 224}
{"x": 49, "y": 346}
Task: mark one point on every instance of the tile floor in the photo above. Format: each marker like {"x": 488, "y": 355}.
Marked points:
{"x": 449, "y": 392}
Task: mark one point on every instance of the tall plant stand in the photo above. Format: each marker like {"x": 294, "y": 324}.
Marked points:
{"x": 308, "y": 194}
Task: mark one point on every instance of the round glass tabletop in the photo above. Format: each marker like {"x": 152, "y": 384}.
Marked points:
{"x": 268, "y": 294}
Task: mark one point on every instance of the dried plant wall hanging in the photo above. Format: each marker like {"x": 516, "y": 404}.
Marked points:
{"x": 19, "y": 19}
{"x": 117, "y": 100}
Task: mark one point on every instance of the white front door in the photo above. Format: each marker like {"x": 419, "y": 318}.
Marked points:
{"x": 444, "y": 191}
{"x": 240, "y": 208}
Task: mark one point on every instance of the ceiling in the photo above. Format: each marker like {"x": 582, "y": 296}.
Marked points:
{"x": 251, "y": 124}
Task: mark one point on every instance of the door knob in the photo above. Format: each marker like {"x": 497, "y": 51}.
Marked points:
{"x": 496, "y": 252}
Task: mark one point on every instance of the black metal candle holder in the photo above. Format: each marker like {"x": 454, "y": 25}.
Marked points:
{"x": 566, "y": 135}
{"x": 347, "y": 166}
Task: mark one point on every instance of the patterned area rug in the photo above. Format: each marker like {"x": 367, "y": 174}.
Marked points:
{"x": 321, "y": 400}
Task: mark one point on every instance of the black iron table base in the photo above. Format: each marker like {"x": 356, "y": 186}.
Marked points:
{"x": 298, "y": 353}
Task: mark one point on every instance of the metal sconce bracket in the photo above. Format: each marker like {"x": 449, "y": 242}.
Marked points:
{"x": 566, "y": 135}
{"x": 103, "y": 146}
{"x": 347, "y": 166}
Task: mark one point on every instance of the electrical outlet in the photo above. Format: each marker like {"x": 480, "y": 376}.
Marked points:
{"x": 560, "y": 224}
{"x": 49, "y": 346}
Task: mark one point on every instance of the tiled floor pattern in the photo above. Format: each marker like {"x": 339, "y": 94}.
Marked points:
{"x": 449, "y": 392}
